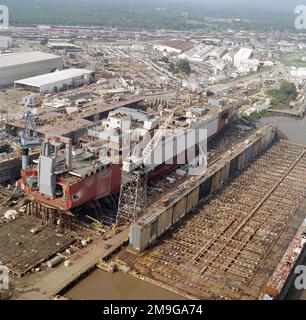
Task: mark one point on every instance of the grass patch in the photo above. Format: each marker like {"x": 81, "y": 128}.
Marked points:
{"x": 255, "y": 116}
{"x": 294, "y": 59}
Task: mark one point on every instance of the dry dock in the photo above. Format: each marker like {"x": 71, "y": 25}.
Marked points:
{"x": 229, "y": 247}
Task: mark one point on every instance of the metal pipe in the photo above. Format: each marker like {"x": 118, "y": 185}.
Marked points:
{"x": 69, "y": 154}
{"x": 25, "y": 158}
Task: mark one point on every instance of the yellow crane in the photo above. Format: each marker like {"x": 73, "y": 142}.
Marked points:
{"x": 95, "y": 222}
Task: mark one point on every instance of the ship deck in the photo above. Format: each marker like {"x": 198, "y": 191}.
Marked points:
{"x": 225, "y": 141}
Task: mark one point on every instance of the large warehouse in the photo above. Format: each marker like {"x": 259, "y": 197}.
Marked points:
{"x": 242, "y": 56}
{"x": 57, "y": 81}
{"x": 177, "y": 46}
{"x": 63, "y": 46}
{"x": 20, "y": 65}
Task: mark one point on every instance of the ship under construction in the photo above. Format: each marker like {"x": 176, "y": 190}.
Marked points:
{"x": 67, "y": 178}
{"x": 234, "y": 230}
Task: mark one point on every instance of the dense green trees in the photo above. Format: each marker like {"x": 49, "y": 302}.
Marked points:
{"x": 284, "y": 94}
{"x": 44, "y": 42}
{"x": 164, "y": 59}
{"x": 144, "y": 14}
{"x": 183, "y": 66}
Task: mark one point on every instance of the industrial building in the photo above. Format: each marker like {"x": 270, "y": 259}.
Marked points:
{"x": 243, "y": 61}
{"x": 298, "y": 72}
{"x": 20, "y": 65}
{"x": 218, "y": 52}
{"x": 242, "y": 56}
{"x": 5, "y": 42}
{"x": 197, "y": 54}
{"x": 56, "y": 81}
{"x": 63, "y": 46}
{"x": 175, "y": 46}
{"x": 202, "y": 53}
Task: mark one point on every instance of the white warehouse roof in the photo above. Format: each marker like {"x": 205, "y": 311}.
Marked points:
{"x": 53, "y": 77}
{"x": 241, "y": 56}
{"x": 20, "y": 58}
{"x": 244, "y": 54}
{"x": 62, "y": 44}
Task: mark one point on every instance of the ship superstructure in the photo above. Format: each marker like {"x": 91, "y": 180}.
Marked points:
{"x": 67, "y": 176}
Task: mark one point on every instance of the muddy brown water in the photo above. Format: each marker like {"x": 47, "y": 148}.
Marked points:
{"x": 101, "y": 285}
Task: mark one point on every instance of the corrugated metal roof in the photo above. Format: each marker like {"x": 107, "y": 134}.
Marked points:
{"x": 243, "y": 54}
{"x": 62, "y": 44}
{"x": 182, "y": 45}
{"x": 18, "y": 58}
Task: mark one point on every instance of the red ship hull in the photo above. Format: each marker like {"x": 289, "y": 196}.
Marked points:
{"x": 101, "y": 184}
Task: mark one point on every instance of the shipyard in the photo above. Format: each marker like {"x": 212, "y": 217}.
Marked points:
{"x": 170, "y": 161}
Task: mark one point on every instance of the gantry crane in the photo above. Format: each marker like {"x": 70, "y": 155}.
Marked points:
{"x": 28, "y": 140}
{"x": 133, "y": 191}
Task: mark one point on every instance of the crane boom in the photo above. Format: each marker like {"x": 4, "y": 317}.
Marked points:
{"x": 157, "y": 136}
{"x": 133, "y": 191}
{"x": 27, "y": 140}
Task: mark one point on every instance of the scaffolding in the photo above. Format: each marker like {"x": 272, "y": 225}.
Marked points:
{"x": 133, "y": 196}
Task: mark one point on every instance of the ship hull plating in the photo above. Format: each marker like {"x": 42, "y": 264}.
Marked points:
{"x": 108, "y": 181}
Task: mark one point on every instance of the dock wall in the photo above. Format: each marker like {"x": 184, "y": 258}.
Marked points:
{"x": 10, "y": 169}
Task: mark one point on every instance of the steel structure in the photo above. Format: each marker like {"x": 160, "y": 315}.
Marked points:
{"x": 133, "y": 191}
{"x": 133, "y": 196}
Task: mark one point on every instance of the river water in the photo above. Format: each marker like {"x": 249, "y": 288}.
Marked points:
{"x": 101, "y": 285}
{"x": 293, "y": 128}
